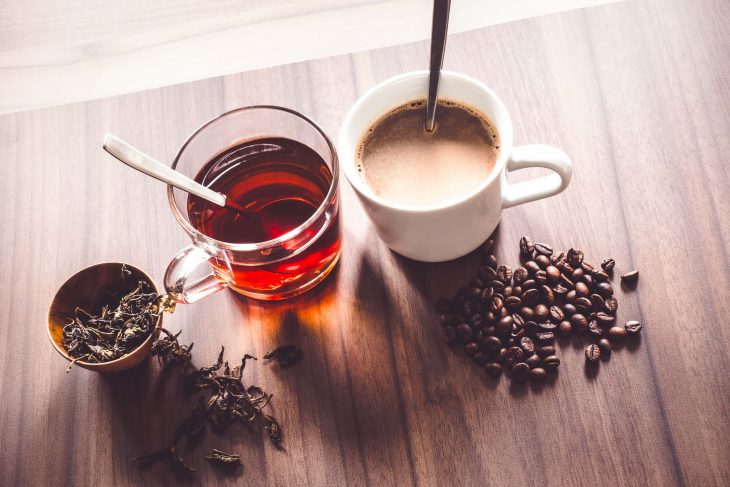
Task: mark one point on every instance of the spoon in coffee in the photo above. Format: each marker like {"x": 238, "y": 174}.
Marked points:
{"x": 439, "y": 26}
{"x": 140, "y": 161}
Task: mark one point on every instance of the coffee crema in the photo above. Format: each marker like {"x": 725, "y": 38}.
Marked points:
{"x": 404, "y": 164}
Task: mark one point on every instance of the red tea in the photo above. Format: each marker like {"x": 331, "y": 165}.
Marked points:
{"x": 281, "y": 183}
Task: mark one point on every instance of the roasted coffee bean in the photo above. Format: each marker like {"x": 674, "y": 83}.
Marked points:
{"x": 537, "y": 374}
{"x": 533, "y": 361}
{"x": 526, "y": 246}
{"x": 531, "y": 266}
{"x": 502, "y": 355}
{"x": 529, "y": 284}
{"x": 547, "y": 294}
{"x": 492, "y": 343}
{"x": 630, "y": 277}
{"x": 527, "y": 345}
{"x": 569, "y": 309}
{"x": 604, "y": 289}
{"x": 587, "y": 267}
{"x": 605, "y": 346}
{"x": 566, "y": 268}
{"x": 491, "y": 261}
{"x": 520, "y": 275}
{"x": 565, "y": 328}
{"x": 560, "y": 290}
{"x": 588, "y": 280}
{"x": 464, "y": 332}
{"x": 497, "y": 285}
{"x": 579, "y": 321}
{"x": 443, "y": 305}
{"x": 575, "y": 257}
{"x": 497, "y": 304}
{"x": 504, "y": 273}
{"x": 577, "y": 275}
{"x": 530, "y": 296}
{"x": 468, "y": 308}
{"x": 541, "y": 312}
{"x": 487, "y": 247}
{"x": 471, "y": 348}
{"x": 514, "y": 355}
{"x": 527, "y": 313}
{"x": 478, "y": 282}
{"x": 599, "y": 276}
{"x": 543, "y": 249}
{"x": 558, "y": 259}
{"x": 595, "y": 329}
{"x": 518, "y": 320}
{"x": 583, "y": 305}
{"x": 608, "y": 265}
{"x": 513, "y": 302}
{"x": 542, "y": 261}
{"x": 566, "y": 282}
{"x": 480, "y": 358}
{"x": 504, "y": 325}
{"x": 632, "y": 327}
{"x": 616, "y": 333}
{"x": 487, "y": 294}
{"x": 503, "y": 312}
{"x": 545, "y": 351}
{"x": 553, "y": 274}
{"x": 489, "y": 330}
{"x": 547, "y": 326}
{"x": 449, "y": 333}
{"x": 531, "y": 327}
{"x": 611, "y": 305}
{"x": 593, "y": 353}
{"x": 517, "y": 332}
{"x": 487, "y": 273}
{"x": 493, "y": 368}
{"x": 597, "y": 302}
{"x": 556, "y": 314}
{"x": 490, "y": 318}
{"x": 551, "y": 363}
{"x": 581, "y": 290}
{"x": 520, "y": 371}
{"x": 541, "y": 277}
{"x": 479, "y": 336}
{"x": 545, "y": 337}
{"x": 571, "y": 296}
{"x": 605, "y": 319}
{"x": 517, "y": 291}
{"x": 475, "y": 292}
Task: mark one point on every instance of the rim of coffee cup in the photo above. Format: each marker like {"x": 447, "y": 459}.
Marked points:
{"x": 345, "y": 139}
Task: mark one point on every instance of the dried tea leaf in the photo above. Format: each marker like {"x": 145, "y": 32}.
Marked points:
{"x": 221, "y": 458}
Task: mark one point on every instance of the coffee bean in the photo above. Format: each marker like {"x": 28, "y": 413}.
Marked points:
{"x": 569, "y": 310}
{"x": 597, "y": 302}
{"x": 531, "y": 266}
{"x": 547, "y": 294}
{"x": 593, "y": 353}
{"x": 543, "y": 261}
{"x": 581, "y": 290}
{"x": 520, "y": 371}
{"x": 537, "y": 374}
{"x": 497, "y": 285}
{"x": 545, "y": 351}
{"x": 630, "y": 277}
{"x": 497, "y": 305}
{"x": 551, "y": 363}
{"x": 517, "y": 291}
{"x": 575, "y": 257}
{"x": 491, "y": 261}
{"x": 583, "y": 305}
{"x": 605, "y": 346}
{"x": 493, "y": 368}
{"x": 608, "y": 265}
{"x": 527, "y": 346}
{"x": 464, "y": 332}
{"x": 492, "y": 343}
{"x": 475, "y": 292}
{"x": 599, "y": 276}
{"x": 526, "y": 246}
{"x": 480, "y": 358}
{"x": 556, "y": 314}
{"x": 594, "y": 329}
{"x": 507, "y": 291}
{"x": 529, "y": 284}
{"x": 632, "y": 327}
{"x": 503, "y": 312}
{"x": 605, "y": 319}
{"x": 565, "y": 328}
{"x": 449, "y": 333}
{"x": 517, "y": 332}
{"x": 487, "y": 247}
{"x": 566, "y": 282}
{"x": 502, "y": 355}
{"x": 531, "y": 327}
{"x": 553, "y": 274}
{"x": 616, "y": 333}
{"x": 514, "y": 355}
{"x": 547, "y": 326}
{"x": 543, "y": 249}
{"x": 513, "y": 302}
{"x": 530, "y": 296}
{"x": 571, "y": 296}
{"x": 518, "y": 320}
{"x": 566, "y": 268}
{"x": 579, "y": 321}
{"x": 487, "y": 273}
{"x": 587, "y": 267}
{"x": 588, "y": 280}
{"x": 541, "y": 312}
{"x": 504, "y": 325}
{"x": 527, "y": 313}
{"x": 520, "y": 275}
{"x": 560, "y": 290}
{"x": 541, "y": 277}
{"x": 545, "y": 337}
{"x": 487, "y": 294}
{"x": 504, "y": 273}
{"x": 468, "y": 308}
{"x": 611, "y": 305}
{"x": 604, "y": 289}
{"x": 533, "y": 361}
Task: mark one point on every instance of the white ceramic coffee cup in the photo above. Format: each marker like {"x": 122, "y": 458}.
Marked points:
{"x": 448, "y": 231}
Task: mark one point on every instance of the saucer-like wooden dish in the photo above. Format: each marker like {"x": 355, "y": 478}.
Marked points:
{"x": 84, "y": 289}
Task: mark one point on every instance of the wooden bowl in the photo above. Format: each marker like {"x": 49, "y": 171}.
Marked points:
{"x": 84, "y": 289}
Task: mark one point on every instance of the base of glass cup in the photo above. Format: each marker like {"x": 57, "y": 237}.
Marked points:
{"x": 304, "y": 287}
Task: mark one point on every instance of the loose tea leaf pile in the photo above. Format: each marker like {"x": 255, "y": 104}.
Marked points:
{"x": 124, "y": 320}
{"x": 509, "y": 319}
{"x": 226, "y": 400}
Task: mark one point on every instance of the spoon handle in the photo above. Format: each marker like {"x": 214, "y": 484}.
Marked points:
{"x": 152, "y": 167}
{"x": 439, "y": 26}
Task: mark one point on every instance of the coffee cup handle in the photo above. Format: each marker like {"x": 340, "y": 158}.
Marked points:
{"x": 179, "y": 272}
{"x": 537, "y": 155}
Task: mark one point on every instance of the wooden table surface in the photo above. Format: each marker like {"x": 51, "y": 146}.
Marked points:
{"x": 636, "y": 93}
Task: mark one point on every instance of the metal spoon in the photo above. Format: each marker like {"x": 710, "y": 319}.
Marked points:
{"x": 140, "y": 161}
{"x": 439, "y": 26}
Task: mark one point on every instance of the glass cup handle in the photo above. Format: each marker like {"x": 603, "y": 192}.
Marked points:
{"x": 179, "y": 271}
{"x": 537, "y": 155}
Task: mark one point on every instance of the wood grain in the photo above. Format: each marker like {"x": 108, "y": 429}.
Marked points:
{"x": 63, "y": 51}
{"x": 635, "y": 92}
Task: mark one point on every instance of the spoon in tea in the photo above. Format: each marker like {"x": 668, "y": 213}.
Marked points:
{"x": 142, "y": 162}
{"x": 439, "y": 26}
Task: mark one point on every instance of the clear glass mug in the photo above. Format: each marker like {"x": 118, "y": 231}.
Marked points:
{"x": 275, "y": 269}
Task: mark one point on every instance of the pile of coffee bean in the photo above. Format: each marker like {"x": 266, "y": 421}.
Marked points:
{"x": 508, "y": 319}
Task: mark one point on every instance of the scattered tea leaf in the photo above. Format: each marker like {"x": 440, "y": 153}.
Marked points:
{"x": 221, "y": 458}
